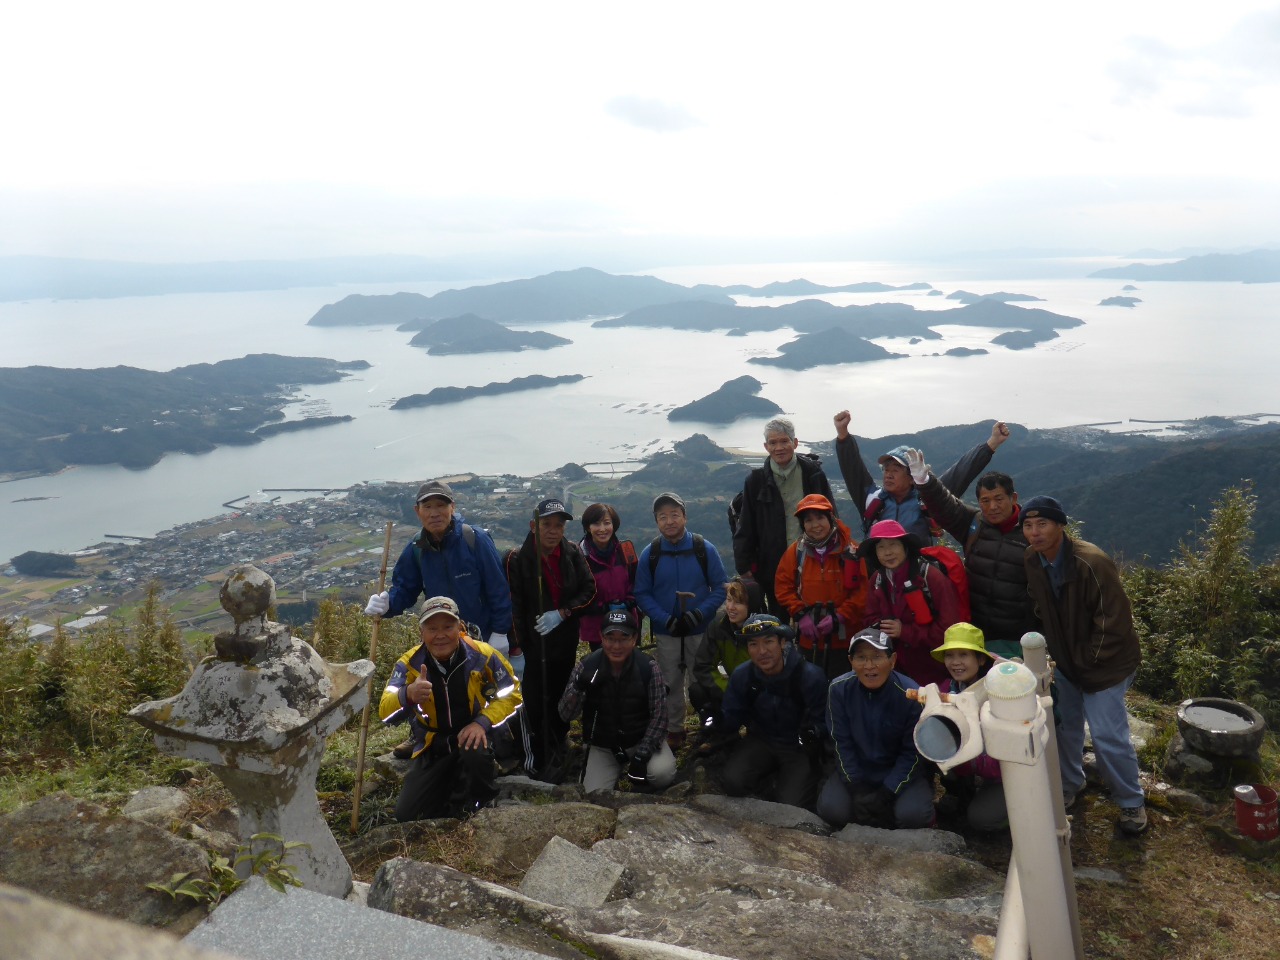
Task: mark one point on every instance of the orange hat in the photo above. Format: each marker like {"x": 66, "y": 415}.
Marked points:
{"x": 814, "y": 501}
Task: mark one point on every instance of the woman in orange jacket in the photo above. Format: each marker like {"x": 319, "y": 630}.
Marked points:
{"x": 823, "y": 586}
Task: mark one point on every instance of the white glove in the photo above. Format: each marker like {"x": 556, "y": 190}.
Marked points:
{"x": 500, "y": 643}
{"x": 378, "y": 604}
{"x": 919, "y": 469}
{"x": 517, "y": 666}
{"x": 548, "y": 622}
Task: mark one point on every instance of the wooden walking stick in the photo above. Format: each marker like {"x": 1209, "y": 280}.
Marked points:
{"x": 364, "y": 717}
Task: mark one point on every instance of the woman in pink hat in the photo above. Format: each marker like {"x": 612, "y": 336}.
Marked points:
{"x": 908, "y": 598}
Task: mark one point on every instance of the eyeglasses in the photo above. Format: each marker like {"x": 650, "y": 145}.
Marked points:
{"x": 861, "y": 660}
{"x": 615, "y": 637}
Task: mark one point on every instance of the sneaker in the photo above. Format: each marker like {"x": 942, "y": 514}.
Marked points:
{"x": 1069, "y": 797}
{"x": 403, "y": 751}
{"x": 1133, "y": 820}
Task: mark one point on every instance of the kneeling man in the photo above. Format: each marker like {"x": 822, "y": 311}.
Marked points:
{"x": 623, "y": 700}
{"x": 453, "y": 691}
{"x": 880, "y": 779}
{"x": 779, "y": 698}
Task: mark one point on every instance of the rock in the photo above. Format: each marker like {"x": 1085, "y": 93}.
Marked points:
{"x": 514, "y": 836}
{"x": 214, "y": 841}
{"x": 440, "y": 895}
{"x": 36, "y": 929}
{"x": 921, "y": 841}
{"x": 1185, "y": 801}
{"x": 1099, "y": 875}
{"x": 751, "y": 810}
{"x": 520, "y": 787}
{"x": 257, "y": 923}
{"x": 566, "y": 876}
{"x": 390, "y": 767}
{"x": 853, "y": 866}
{"x": 77, "y": 852}
{"x": 1140, "y": 731}
{"x": 1182, "y": 764}
{"x": 159, "y": 805}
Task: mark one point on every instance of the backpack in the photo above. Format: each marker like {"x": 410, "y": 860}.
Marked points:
{"x": 876, "y": 507}
{"x": 735, "y": 513}
{"x": 850, "y": 568}
{"x": 947, "y": 562}
{"x": 699, "y": 551}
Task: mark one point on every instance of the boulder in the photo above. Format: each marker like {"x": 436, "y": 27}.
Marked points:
{"x": 751, "y": 810}
{"x": 77, "y": 853}
{"x": 922, "y": 841}
{"x": 571, "y": 877}
{"x": 509, "y": 839}
{"x": 159, "y": 805}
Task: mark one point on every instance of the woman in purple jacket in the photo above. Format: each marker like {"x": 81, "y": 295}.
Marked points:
{"x": 613, "y": 565}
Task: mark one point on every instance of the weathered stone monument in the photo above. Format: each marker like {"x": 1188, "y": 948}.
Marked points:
{"x": 258, "y": 713}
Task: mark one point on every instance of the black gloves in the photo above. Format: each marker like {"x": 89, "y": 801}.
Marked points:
{"x": 873, "y": 806}
{"x": 692, "y": 622}
{"x": 674, "y": 627}
{"x": 638, "y": 770}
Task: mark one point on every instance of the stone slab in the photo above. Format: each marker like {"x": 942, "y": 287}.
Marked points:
{"x": 158, "y": 805}
{"x": 922, "y": 841}
{"x": 751, "y": 810}
{"x": 256, "y": 923}
{"x": 567, "y": 876}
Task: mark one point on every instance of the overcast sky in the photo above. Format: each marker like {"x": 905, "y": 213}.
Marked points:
{"x": 180, "y": 131}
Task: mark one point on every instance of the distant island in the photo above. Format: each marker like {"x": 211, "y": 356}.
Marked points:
{"x": 964, "y": 296}
{"x": 564, "y": 295}
{"x": 735, "y": 399}
{"x": 57, "y": 417}
{"x": 65, "y": 278}
{"x": 455, "y": 394}
{"x": 966, "y": 352}
{"x": 1119, "y": 302}
{"x": 471, "y": 334}
{"x": 1257, "y": 266}
{"x": 826, "y": 347}
{"x": 1023, "y": 339}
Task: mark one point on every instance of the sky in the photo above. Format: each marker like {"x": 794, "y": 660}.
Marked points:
{"x": 647, "y": 133}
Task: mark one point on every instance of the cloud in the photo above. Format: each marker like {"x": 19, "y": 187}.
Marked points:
{"x": 657, "y": 116}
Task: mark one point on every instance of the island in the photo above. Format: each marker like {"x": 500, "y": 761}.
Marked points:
{"x": 735, "y": 399}
{"x": 806, "y": 288}
{"x": 1119, "y": 302}
{"x": 964, "y": 296}
{"x": 471, "y": 334}
{"x": 1023, "y": 339}
{"x": 831, "y": 346}
{"x": 57, "y": 417}
{"x": 293, "y": 426}
{"x": 441, "y": 395}
{"x": 966, "y": 352}
{"x": 1257, "y": 266}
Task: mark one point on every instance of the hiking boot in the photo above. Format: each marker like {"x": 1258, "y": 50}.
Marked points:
{"x": 403, "y": 751}
{"x": 1069, "y": 797}
{"x": 1133, "y": 820}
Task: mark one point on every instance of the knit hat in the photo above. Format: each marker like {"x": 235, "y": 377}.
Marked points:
{"x": 961, "y": 636}
{"x": 1046, "y": 507}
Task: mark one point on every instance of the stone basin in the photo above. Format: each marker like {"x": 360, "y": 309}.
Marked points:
{"x": 1222, "y": 728}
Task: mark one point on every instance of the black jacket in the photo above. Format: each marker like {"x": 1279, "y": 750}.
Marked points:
{"x": 761, "y": 537}
{"x": 579, "y": 589}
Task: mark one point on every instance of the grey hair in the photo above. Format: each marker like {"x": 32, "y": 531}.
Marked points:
{"x": 780, "y": 425}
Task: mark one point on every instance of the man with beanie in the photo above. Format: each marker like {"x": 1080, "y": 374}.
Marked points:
{"x": 1088, "y": 624}
{"x": 679, "y": 587}
{"x": 769, "y": 498}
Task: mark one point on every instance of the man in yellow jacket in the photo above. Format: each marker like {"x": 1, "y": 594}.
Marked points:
{"x": 453, "y": 691}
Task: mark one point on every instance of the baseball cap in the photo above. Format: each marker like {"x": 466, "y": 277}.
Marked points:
{"x": 671, "y": 498}
{"x": 434, "y": 488}
{"x": 439, "y": 605}
{"x": 553, "y": 508}
{"x": 897, "y": 454}
{"x": 873, "y": 636}
{"x": 618, "y": 620}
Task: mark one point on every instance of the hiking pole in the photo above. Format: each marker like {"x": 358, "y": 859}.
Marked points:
{"x": 542, "y": 645}
{"x": 364, "y": 717}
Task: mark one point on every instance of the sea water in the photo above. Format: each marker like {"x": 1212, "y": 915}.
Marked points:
{"x": 1188, "y": 350}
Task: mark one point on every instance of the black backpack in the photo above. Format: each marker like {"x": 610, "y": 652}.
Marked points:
{"x": 699, "y": 551}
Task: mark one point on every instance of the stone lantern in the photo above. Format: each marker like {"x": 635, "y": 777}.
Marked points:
{"x": 258, "y": 713}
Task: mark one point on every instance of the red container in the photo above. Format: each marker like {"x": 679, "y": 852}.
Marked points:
{"x": 1259, "y": 821}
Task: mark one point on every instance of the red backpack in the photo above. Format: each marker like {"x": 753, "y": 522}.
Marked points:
{"x": 919, "y": 598}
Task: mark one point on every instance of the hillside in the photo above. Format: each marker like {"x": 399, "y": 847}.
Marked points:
{"x": 1257, "y": 266}
{"x": 827, "y": 347}
{"x": 52, "y": 417}
{"x": 440, "y": 395}
{"x": 471, "y": 334}
{"x": 733, "y": 400}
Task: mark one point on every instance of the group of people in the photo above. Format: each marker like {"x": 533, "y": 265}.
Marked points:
{"x": 797, "y": 666}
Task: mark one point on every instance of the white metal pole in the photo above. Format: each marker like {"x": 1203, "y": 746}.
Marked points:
{"x": 1011, "y": 932}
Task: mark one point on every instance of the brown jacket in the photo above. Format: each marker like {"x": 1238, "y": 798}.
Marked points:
{"x": 1090, "y": 629}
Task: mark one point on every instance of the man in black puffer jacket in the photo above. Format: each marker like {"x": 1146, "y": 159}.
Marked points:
{"x": 994, "y": 546}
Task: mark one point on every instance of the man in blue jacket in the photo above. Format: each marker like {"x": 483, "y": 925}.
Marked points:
{"x": 450, "y": 558}
{"x": 880, "y": 779}
{"x": 679, "y": 587}
{"x": 779, "y": 697}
